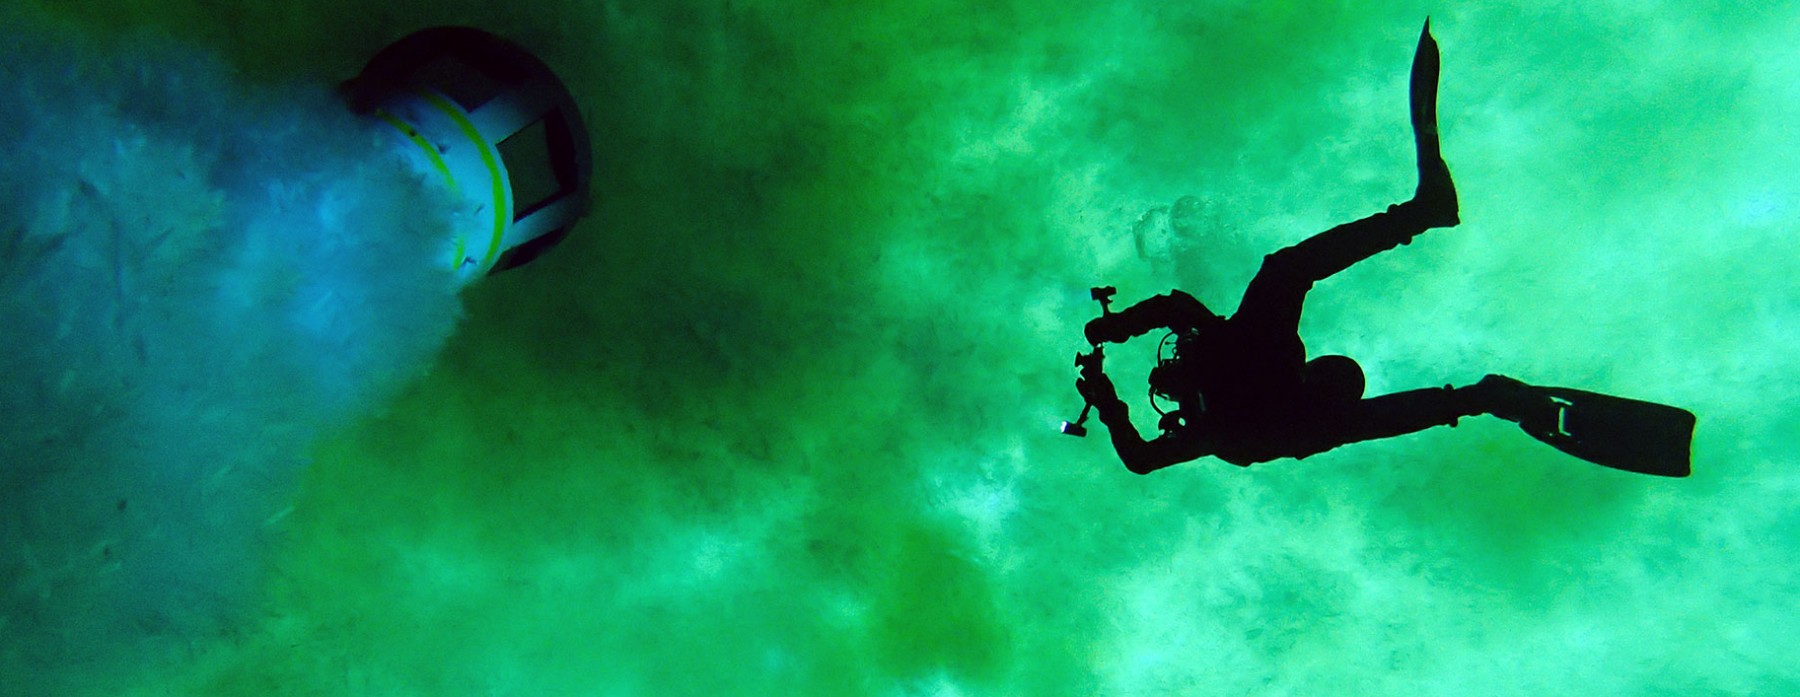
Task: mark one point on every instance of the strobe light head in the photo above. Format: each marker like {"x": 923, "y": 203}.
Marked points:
{"x": 492, "y": 122}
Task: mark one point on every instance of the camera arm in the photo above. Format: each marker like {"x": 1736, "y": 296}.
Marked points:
{"x": 1090, "y": 361}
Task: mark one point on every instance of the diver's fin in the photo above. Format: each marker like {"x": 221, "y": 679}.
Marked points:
{"x": 1624, "y": 434}
{"x": 1435, "y": 198}
{"x": 1424, "y": 85}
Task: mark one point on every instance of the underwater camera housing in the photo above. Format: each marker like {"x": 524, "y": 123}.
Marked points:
{"x": 493, "y": 123}
{"x": 1090, "y": 361}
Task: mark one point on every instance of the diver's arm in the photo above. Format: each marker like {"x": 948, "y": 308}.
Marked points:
{"x": 1177, "y": 310}
{"x": 1143, "y": 457}
{"x": 1139, "y": 456}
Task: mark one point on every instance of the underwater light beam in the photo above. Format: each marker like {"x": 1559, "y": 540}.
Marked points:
{"x": 198, "y": 278}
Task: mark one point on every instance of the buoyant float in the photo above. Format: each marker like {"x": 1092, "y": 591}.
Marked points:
{"x": 494, "y": 124}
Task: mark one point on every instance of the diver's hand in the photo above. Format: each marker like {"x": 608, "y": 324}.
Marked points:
{"x": 1096, "y": 387}
{"x": 1091, "y": 363}
{"x": 1101, "y": 330}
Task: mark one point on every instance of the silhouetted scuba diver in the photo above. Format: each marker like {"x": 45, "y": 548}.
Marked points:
{"x": 1245, "y": 393}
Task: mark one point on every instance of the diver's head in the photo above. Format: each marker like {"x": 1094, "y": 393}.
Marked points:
{"x": 1176, "y": 381}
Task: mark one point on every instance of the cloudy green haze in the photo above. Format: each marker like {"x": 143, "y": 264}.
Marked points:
{"x": 779, "y": 418}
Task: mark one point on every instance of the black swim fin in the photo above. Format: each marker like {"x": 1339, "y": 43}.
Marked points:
{"x": 1435, "y": 199}
{"x": 1624, "y": 434}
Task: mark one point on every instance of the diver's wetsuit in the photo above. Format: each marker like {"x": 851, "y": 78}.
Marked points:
{"x": 1253, "y": 396}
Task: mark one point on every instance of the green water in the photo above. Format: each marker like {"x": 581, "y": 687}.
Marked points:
{"x": 780, "y": 417}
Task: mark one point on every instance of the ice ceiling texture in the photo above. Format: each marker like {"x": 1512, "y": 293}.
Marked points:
{"x": 779, "y": 418}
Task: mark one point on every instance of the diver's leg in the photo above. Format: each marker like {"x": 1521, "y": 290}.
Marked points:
{"x": 1433, "y": 204}
{"x": 1623, "y": 434}
{"x": 1275, "y": 296}
{"x": 1406, "y": 412}
{"x": 1387, "y": 416}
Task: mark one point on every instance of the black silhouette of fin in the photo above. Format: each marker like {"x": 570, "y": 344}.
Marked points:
{"x": 1624, "y": 434}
